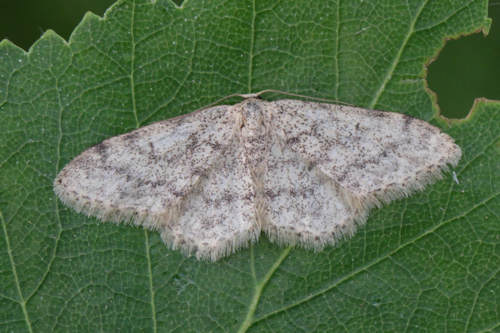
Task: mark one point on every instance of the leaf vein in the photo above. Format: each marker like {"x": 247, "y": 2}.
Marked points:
{"x": 476, "y": 296}
{"x": 56, "y": 202}
{"x": 21, "y": 301}
{"x": 397, "y": 59}
{"x": 251, "y": 51}
{"x": 337, "y": 53}
{"x": 374, "y": 262}
{"x": 259, "y": 287}
{"x": 137, "y": 124}
{"x": 177, "y": 90}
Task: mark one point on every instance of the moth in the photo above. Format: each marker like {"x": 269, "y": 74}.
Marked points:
{"x": 212, "y": 181}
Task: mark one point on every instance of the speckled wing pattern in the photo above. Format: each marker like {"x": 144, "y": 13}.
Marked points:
{"x": 333, "y": 163}
{"x": 211, "y": 181}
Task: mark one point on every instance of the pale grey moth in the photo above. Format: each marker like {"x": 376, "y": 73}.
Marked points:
{"x": 210, "y": 182}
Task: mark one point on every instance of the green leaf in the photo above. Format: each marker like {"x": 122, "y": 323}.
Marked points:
{"x": 427, "y": 263}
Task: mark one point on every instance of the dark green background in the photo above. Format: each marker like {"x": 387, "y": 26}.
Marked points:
{"x": 465, "y": 69}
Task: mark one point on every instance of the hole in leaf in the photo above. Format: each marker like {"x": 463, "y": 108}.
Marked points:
{"x": 466, "y": 69}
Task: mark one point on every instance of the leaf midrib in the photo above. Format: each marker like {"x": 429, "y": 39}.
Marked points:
{"x": 137, "y": 125}
{"x": 375, "y": 261}
{"x": 259, "y": 287}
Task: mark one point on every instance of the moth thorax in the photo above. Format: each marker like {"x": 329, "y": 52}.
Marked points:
{"x": 254, "y": 133}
